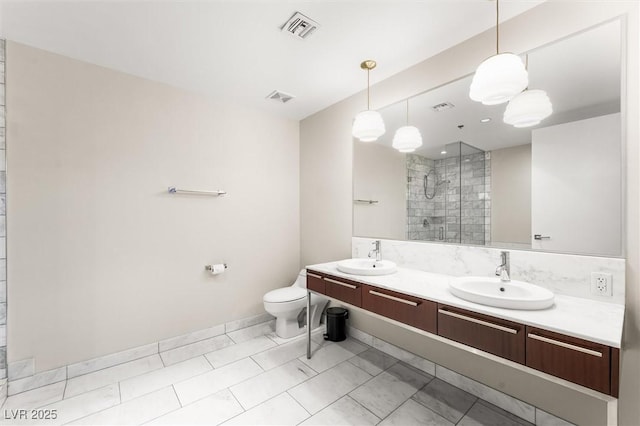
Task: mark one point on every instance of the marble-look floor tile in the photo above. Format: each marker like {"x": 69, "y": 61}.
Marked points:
{"x": 448, "y": 401}
{"x": 328, "y": 386}
{"x": 281, "y": 410}
{"x": 411, "y": 413}
{"x": 72, "y": 409}
{"x": 373, "y": 361}
{"x": 247, "y": 322}
{"x": 211, "y": 410}
{"x": 115, "y": 374}
{"x": 273, "y": 382}
{"x": 545, "y": 419}
{"x": 344, "y": 411}
{"x": 388, "y": 390}
{"x": 186, "y": 339}
{"x": 504, "y": 401}
{"x": 216, "y": 380}
{"x": 238, "y": 351}
{"x": 482, "y": 415}
{"x": 282, "y": 354}
{"x": 96, "y": 364}
{"x": 135, "y": 412}
{"x": 332, "y": 355}
{"x": 253, "y": 331}
{"x": 149, "y": 382}
{"x": 21, "y": 369}
{"x": 37, "y": 380}
{"x": 35, "y": 398}
{"x": 405, "y": 356}
{"x": 193, "y": 350}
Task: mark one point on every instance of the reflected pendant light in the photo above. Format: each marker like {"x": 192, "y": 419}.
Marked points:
{"x": 407, "y": 138}
{"x": 368, "y": 125}
{"x": 528, "y": 109}
{"x": 500, "y": 77}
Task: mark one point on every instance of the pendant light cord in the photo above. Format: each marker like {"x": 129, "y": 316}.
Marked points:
{"x": 407, "y": 112}
{"x": 497, "y": 27}
{"x": 368, "y": 71}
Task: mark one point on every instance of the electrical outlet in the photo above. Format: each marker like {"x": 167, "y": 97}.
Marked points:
{"x": 601, "y": 284}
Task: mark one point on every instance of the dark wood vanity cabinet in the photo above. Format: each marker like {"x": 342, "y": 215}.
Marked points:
{"x": 410, "y": 310}
{"x": 338, "y": 288}
{"x": 579, "y": 361}
{"x": 503, "y": 338}
{"x": 315, "y": 282}
{"x": 346, "y": 290}
{"x": 586, "y": 363}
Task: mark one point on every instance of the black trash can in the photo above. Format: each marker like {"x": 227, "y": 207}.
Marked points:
{"x": 336, "y": 324}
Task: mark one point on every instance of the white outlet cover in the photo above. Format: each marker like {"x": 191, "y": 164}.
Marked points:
{"x": 601, "y": 284}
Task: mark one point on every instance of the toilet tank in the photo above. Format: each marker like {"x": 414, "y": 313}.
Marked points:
{"x": 301, "y": 281}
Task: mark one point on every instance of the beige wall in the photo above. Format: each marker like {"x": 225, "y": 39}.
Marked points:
{"x": 326, "y": 175}
{"x": 101, "y": 258}
{"x": 379, "y": 173}
{"x": 511, "y": 195}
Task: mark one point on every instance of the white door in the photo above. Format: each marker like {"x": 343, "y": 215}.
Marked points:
{"x": 576, "y": 186}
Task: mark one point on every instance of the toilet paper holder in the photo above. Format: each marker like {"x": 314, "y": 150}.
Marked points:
{"x": 210, "y": 267}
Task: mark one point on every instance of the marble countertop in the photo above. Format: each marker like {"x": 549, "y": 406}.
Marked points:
{"x": 596, "y": 321}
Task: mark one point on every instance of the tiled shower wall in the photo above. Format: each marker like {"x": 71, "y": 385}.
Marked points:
{"x": 460, "y": 209}
{"x": 3, "y": 223}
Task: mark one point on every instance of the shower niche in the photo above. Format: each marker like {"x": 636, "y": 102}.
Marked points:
{"x": 448, "y": 198}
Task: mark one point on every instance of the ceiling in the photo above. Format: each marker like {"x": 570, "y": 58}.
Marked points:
{"x": 234, "y": 51}
{"x": 581, "y": 75}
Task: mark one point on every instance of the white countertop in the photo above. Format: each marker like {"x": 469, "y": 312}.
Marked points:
{"x": 582, "y": 318}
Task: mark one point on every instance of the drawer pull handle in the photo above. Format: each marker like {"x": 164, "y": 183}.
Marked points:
{"x": 351, "y": 286}
{"x": 478, "y": 321}
{"x": 309, "y": 274}
{"x": 565, "y": 345}
{"x": 397, "y": 299}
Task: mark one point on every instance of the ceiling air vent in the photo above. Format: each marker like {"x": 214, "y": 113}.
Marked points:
{"x": 300, "y": 26}
{"x": 442, "y": 107}
{"x": 277, "y": 95}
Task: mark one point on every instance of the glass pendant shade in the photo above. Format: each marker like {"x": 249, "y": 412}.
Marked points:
{"x": 498, "y": 79}
{"x": 407, "y": 139}
{"x": 528, "y": 109}
{"x": 368, "y": 126}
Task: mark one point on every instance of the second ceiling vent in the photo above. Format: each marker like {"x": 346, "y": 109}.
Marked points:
{"x": 300, "y": 26}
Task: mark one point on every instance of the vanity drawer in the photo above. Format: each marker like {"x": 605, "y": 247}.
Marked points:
{"x": 315, "y": 282}
{"x": 496, "y": 336}
{"x": 410, "y": 310}
{"x": 576, "y": 360}
{"x": 346, "y": 290}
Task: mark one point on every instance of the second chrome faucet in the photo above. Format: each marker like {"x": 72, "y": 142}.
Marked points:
{"x": 504, "y": 269}
{"x": 377, "y": 250}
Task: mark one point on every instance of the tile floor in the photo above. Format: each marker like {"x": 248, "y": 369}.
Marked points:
{"x": 252, "y": 377}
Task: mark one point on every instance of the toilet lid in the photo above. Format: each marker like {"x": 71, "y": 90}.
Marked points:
{"x": 285, "y": 294}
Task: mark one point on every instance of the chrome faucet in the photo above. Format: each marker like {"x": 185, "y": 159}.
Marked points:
{"x": 377, "y": 250}
{"x": 504, "y": 270}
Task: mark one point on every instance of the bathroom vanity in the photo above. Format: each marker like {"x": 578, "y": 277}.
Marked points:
{"x": 576, "y": 339}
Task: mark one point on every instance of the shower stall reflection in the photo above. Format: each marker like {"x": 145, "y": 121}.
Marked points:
{"x": 448, "y": 199}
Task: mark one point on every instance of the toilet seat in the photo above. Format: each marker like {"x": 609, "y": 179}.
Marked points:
{"x": 285, "y": 294}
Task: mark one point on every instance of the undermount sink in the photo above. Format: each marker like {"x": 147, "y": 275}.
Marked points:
{"x": 501, "y": 294}
{"x": 367, "y": 267}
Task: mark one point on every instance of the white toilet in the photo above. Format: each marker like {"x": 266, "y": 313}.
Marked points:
{"x": 288, "y": 305}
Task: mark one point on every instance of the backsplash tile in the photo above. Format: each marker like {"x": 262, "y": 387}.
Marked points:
{"x": 565, "y": 274}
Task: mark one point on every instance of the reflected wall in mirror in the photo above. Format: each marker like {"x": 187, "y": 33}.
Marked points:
{"x": 554, "y": 187}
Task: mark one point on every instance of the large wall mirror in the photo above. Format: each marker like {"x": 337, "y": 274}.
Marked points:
{"x": 556, "y": 186}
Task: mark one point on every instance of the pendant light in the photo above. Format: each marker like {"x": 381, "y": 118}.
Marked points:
{"x": 407, "y": 138}
{"x": 500, "y": 77}
{"x": 528, "y": 108}
{"x": 368, "y": 125}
